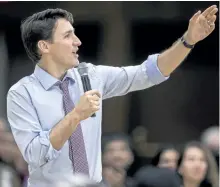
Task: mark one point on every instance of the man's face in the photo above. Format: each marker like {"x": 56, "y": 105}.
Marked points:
{"x": 117, "y": 153}
{"x": 64, "y": 46}
{"x": 114, "y": 176}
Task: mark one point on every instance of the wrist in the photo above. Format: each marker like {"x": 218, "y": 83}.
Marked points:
{"x": 75, "y": 117}
{"x": 188, "y": 39}
{"x": 187, "y": 42}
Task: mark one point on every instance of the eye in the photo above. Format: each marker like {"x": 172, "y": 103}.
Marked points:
{"x": 67, "y": 36}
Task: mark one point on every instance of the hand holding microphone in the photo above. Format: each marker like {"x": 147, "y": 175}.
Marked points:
{"x": 89, "y": 102}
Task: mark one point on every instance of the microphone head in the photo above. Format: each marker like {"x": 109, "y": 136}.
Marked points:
{"x": 82, "y": 68}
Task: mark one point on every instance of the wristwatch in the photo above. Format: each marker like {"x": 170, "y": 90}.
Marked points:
{"x": 186, "y": 44}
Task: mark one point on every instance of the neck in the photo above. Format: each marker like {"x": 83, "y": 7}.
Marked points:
{"x": 190, "y": 184}
{"x": 53, "y": 69}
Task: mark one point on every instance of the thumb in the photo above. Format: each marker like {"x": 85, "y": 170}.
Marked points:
{"x": 195, "y": 16}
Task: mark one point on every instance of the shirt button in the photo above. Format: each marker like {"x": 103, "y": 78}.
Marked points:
{"x": 47, "y": 159}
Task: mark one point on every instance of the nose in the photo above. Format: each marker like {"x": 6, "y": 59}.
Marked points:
{"x": 76, "y": 41}
{"x": 197, "y": 165}
{"x": 116, "y": 154}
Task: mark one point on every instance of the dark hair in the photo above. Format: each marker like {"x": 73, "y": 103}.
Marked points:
{"x": 40, "y": 26}
{"x": 211, "y": 178}
{"x": 110, "y": 137}
{"x": 156, "y": 159}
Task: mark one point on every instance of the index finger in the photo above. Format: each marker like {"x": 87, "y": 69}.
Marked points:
{"x": 94, "y": 92}
{"x": 208, "y": 10}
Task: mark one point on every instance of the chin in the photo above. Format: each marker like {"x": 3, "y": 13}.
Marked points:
{"x": 75, "y": 63}
{"x": 198, "y": 178}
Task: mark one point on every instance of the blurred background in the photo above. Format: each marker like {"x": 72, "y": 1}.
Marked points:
{"x": 121, "y": 34}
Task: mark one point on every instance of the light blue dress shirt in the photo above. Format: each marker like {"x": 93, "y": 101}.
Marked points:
{"x": 34, "y": 107}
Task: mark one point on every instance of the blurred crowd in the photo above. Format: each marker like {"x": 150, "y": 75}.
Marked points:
{"x": 193, "y": 165}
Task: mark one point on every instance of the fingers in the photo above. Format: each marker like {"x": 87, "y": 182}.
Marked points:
{"x": 195, "y": 16}
{"x": 95, "y": 105}
{"x": 213, "y": 12}
{"x": 212, "y": 23}
{"x": 93, "y": 92}
{"x": 205, "y": 25}
{"x": 209, "y": 10}
{"x": 95, "y": 98}
{"x": 208, "y": 25}
{"x": 213, "y": 19}
{"x": 212, "y": 28}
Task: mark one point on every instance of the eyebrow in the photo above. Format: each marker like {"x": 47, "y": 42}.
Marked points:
{"x": 69, "y": 31}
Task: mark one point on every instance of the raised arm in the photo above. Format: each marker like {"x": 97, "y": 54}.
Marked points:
{"x": 157, "y": 68}
{"x": 200, "y": 26}
{"x": 119, "y": 81}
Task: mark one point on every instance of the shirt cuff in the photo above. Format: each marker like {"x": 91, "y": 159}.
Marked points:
{"x": 51, "y": 153}
{"x": 152, "y": 70}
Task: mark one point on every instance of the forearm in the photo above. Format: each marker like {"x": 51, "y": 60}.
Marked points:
{"x": 63, "y": 130}
{"x": 171, "y": 58}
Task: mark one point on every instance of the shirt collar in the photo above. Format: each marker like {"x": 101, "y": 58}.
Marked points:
{"x": 48, "y": 80}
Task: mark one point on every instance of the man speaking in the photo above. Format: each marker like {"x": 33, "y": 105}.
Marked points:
{"x": 49, "y": 111}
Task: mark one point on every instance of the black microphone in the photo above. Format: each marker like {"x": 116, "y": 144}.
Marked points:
{"x": 83, "y": 71}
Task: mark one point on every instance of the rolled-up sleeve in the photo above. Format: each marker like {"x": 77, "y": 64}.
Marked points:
{"x": 152, "y": 70}
{"x": 119, "y": 81}
{"x": 31, "y": 139}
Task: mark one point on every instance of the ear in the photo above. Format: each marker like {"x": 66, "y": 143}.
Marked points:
{"x": 43, "y": 46}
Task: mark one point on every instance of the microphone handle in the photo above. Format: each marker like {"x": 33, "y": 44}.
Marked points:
{"x": 87, "y": 86}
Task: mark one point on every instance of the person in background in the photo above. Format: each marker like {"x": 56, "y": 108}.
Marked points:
{"x": 117, "y": 150}
{"x": 117, "y": 156}
{"x": 152, "y": 176}
{"x": 10, "y": 156}
{"x": 197, "y": 166}
{"x": 210, "y": 138}
{"x": 161, "y": 172}
{"x": 166, "y": 157}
